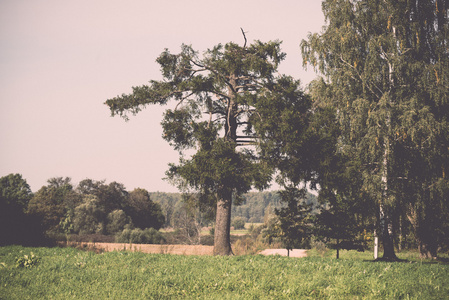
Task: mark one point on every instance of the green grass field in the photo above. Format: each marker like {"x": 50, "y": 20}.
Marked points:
{"x": 66, "y": 273}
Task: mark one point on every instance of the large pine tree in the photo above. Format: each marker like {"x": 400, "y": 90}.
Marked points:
{"x": 226, "y": 111}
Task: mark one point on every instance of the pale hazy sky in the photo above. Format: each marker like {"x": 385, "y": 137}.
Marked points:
{"x": 61, "y": 60}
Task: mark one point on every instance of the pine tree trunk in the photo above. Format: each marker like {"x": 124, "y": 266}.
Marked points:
{"x": 222, "y": 237}
{"x": 222, "y": 240}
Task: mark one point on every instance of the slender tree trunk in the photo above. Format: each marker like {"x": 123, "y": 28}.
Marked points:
{"x": 385, "y": 214}
{"x": 386, "y": 223}
{"x": 338, "y": 248}
{"x": 401, "y": 234}
{"x": 222, "y": 240}
{"x": 387, "y": 236}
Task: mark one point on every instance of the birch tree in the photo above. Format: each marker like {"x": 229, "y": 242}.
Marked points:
{"x": 386, "y": 65}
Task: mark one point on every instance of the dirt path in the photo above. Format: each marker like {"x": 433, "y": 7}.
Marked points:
{"x": 162, "y": 249}
{"x": 283, "y": 252}
{"x": 183, "y": 249}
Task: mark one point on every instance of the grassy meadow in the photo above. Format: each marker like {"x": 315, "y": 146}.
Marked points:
{"x": 67, "y": 273}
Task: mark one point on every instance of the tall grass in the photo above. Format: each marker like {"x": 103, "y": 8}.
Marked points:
{"x": 63, "y": 273}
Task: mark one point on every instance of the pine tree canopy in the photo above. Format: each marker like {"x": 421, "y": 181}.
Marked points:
{"x": 231, "y": 105}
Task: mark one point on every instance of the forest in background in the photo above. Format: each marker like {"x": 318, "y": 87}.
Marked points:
{"x": 253, "y": 209}
{"x": 97, "y": 211}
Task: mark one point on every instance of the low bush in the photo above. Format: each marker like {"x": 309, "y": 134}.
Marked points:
{"x": 238, "y": 223}
{"x": 91, "y": 238}
{"x": 27, "y": 261}
{"x": 248, "y": 246}
{"x": 139, "y": 236}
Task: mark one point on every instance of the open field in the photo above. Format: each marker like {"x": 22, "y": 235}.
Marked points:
{"x": 62, "y": 273}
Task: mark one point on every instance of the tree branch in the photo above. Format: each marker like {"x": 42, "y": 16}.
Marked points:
{"x": 182, "y": 100}
{"x": 244, "y": 36}
{"x": 359, "y": 75}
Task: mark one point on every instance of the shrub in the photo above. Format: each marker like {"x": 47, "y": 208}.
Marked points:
{"x": 139, "y": 236}
{"x": 238, "y": 223}
{"x": 255, "y": 231}
{"x": 92, "y": 238}
{"x": 27, "y": 261}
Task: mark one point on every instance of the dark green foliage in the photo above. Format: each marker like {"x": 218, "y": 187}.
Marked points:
{"x": 143, "y": 211}
{"x": 295, "y": 218}
{"x": 92, "y": 208}
{"x": 284, "y": 129}
{"x": 140, "y": 236}
{"x": 224, "y": 99}
{"x": 89, "y": 216}
{"x": 27, "y": 261}
{"x": 14, "y": 196}
{"x": 117, "y": 221}
{"x": 15, "y": 192}
{"x": 339, "y": 224}
{"x": 386, "y": 65}
{"x": 108, "y": 208}
{"x": 51, "y": 203}
{"x": 110, "y": 196}
{"x": 16, "y": 227}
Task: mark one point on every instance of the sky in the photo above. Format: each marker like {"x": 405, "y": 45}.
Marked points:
{"x": 61, "y": 60}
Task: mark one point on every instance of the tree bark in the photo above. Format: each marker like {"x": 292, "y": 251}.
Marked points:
{"x": 222, "y": 240}
{"x": 385, "y": 214}
{"x": 387, "y": 235}
{"x": 222, "y": 236}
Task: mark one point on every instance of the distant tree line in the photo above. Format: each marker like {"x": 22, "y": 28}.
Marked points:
{"x": 293, "y": 218}
{"x": 91, "y": 207}
{"x": 96, "y": 207}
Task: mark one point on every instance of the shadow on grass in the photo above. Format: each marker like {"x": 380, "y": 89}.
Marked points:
{"x": 439, "y": 260}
